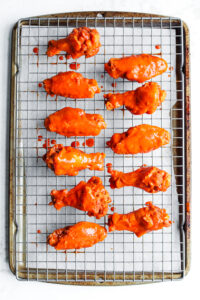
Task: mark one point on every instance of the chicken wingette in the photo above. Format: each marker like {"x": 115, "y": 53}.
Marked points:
{"x": 136, "y": 67}
{"x": 90, "y": 196}
{"x": 150, "y": 179}
{"x": 144, "y": 99}
{"x": 72, "y": 85}
{"x": 74, "y": 122}
{"x": 81, "y": 41}
{"x": 80, "y": 235}
{"x": 139, "y": 139}
{"x": 140, "y": 221}
{"x": 69, "y": 161}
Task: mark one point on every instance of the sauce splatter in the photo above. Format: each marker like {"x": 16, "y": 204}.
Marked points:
{"x": 157, "y": 46}
{"x": 40, "y": 84}
{"x": 102, "y": 76}
{"x": 35, "y": 204}
{"x": 109, "y": 167}
{"x": 50, "y": 203}
{"x": 61, "y": 57}
{"x": 38, "y": 231}
{"x": 112, "y": 208}
{"x": 46, "y": 144}
{"x": 171, "y": 68}
{"x": 90, "y": 142}
{"x": 83, "y": 144}
{"x": 36, "y": 50}
{"x": 114, "y": 84}
{"x": 101, "y": 86}
{"x": 40, "y": 138}
{"x": 53, "y": 142}
{"x": 74, "y": 66}
{"x": 75, "y": 144}
{"x": 68, "y": 56}
{"x": 169, "y": 75}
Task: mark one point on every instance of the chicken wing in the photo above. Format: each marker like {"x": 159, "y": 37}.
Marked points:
{"x": 81, "y": 41}
{"x": 69, "y": 161}
{"x": 139, "y": 139}
{"x": 136, "y": 67}
{"x": 140, "y": 221}
{"x": 80, "y": 235}
{"x": 144, "y": 99}
{"x": 72, "y": 85}
{"x": 88, "y": 196}
{"x": 150, "y": 179}
{"x": 74, "y": 122}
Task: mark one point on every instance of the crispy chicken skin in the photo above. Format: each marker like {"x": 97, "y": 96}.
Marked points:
{"x": 144, "y": 99}
{"x": 139, "y": 139}
{"x": 72, "y": 85}
{"x": 80, "y": 235}
{"x": 88, "y": 196}
{"x": 140, "y": 221}
{"x": 81, "y": 41}
{"x": 74, "y": 122}
{"x": 69, "y": 161}
{"x": 136, "y": 67}
{"x": 150, "y": 179}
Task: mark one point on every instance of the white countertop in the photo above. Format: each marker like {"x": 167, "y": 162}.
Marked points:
{"x": 11, "y": 11}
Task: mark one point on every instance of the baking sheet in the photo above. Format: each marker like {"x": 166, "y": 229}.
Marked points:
{"x": 122, "y": 251}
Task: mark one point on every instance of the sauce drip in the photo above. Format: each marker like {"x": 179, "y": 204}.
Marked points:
{"x": 102, "y": 76}
{"x": 61, "y": 57}
{"x": 38, "y": 231}
{"x": 46, "y": 144}
{"x": 74, "y": 66}
{"x": 75, "y": 144}
{"x": 90, "y": 142}
{"x": 112, "y": 208}
{"x": 157, "y": 46}
{"x": 40, "y": 84}
{"x": 53, "y": 142}
{"x": 40, "y": 138}
{"x": 36, "y": 50}
{"x": 114, "y": 84}
{"x": 109, "y": 167}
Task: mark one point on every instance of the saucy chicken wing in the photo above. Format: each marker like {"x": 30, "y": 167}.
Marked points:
{"x": 74, "y": 122}
{"x": 136, "y": 67}
{"x": 88, "y": 196}
{"x": 150, "y": 179}
{"x": 140, "y": 221}
{"x": 72, "y": 85}
{"x": 69, "y": 161}
{"x": 80, "y": 235}
{"x": 144, "y": 99}
{"x": 81, "y": 41}
{"x": 139, "y": 139}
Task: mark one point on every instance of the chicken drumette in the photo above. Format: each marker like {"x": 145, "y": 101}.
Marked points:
{"x": 81, "y": 41}
{"x": 139, "y": 139}
{"x": 144, "y": 99}
{"x": 69, "y": 161}
{"x": 136, "y": 67}
{"x": 88, "y": 196}
{"x": 140, "y": 221}
{"x": 80, "y": 235}
{"x": 74, "y": 122}
{"x": 72, "y": 85}
{"x": 150, "y": 179}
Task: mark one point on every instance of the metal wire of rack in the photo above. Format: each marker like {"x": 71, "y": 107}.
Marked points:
{"x": 122, "y": 257}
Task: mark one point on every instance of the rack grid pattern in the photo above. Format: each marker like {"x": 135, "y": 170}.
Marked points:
{"x": 122, "y": 257}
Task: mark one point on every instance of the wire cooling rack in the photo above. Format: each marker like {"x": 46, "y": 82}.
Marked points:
{"x": 122, "y": 257}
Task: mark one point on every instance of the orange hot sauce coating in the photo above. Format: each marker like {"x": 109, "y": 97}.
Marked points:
{"x": 150, "y": 179}
{"x": 74, "y": 122}
{"x": 140, "y": 221}
{"x": 72, "y": 85}
{"x": 81, "y": 41}
{"x": 88, "y": 196}
{"x": 139, "y": 139}
{"x": 136, "y": 67}
{"x": 69, "y": 161}
{"x": 80, "y": 235}
{"x": 144, "y": 99}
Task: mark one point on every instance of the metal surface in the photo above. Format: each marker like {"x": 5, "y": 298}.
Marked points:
{"x": 122, "y": 258}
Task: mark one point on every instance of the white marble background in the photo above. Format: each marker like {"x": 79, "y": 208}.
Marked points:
{"x": 10, "y": 12}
